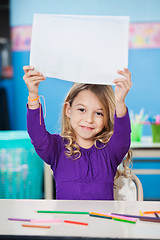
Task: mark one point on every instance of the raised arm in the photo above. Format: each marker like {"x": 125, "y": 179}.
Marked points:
{"x": 122, "y": 88}
{"x": 32, "y": 79}
{"x": 44, "y": 143}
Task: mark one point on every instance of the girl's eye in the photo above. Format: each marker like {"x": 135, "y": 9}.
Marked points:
{"x": 99, "y": 114}
{"x": 81, "y": 109}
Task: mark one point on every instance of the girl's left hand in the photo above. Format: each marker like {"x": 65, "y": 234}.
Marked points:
{"x": 123, "y": 86}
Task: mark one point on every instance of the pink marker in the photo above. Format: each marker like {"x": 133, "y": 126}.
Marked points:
{"x": 125, "y": 218}
{"x": 47, "y": 221}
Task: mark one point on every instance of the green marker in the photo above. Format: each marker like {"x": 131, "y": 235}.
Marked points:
{"x": 62, "y": 212}
{"x": 123, "y": 220}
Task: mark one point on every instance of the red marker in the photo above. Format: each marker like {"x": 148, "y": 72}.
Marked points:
{"x": 80, "y": 223}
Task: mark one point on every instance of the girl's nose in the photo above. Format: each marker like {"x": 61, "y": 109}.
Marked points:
{"x": 89, "y": 118}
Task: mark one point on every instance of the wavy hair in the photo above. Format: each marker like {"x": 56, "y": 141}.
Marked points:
{"x": 106, "y": 96}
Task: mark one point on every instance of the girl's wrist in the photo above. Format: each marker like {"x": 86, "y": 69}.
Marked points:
{"x": 121, "y": 109}
{"x": 33, "y": 101}
{"x": 34, "y": 105}
{"x": 33, "y": 95}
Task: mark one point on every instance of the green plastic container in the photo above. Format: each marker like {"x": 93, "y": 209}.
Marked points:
{"x": 155, "y": 132}
{"x": 136, "y": 132}
{"x": 21, "y": 169}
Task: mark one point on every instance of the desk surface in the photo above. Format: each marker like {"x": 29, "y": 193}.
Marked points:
{"x": 97, "y": 227}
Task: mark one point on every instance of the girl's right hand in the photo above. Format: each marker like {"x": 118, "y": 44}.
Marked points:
{"x": 32, "y": 79}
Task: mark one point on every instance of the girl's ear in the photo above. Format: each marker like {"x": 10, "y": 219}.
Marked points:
{"x": 68, "y": 109}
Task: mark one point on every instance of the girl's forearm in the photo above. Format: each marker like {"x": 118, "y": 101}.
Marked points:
{"x": 121, "y": 109}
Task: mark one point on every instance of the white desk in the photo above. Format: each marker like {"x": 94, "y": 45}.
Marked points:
{"x": 97, "y": 227}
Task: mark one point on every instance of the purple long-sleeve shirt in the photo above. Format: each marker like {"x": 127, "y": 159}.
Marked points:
{"x": 90, "y": 177}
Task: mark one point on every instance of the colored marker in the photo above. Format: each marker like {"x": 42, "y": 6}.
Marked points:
{"x": 150, "y": 220}
{"x": 73, "y": 222}
{"x": 35, "y": 226}
{"x": 123, "y": 220}
{"x": 151, "y": 212}
{"x": 156, "y": 214}
{"x": 112, "y": 216}
{"x": 134, "y": 216}
{"x": 94, "y": 214}
{"x": 19, "y": 219}
{"x": 47, "y": 221}
{"x": 140, "y": 212}
{"x": 62, "y": 212}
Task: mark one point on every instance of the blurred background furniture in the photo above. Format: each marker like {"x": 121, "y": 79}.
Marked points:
{"x": 21, "y": 169}
{"x": 4, "y": 117}
{"x": 146, "y": 166}
{"x": 128, "y": 188}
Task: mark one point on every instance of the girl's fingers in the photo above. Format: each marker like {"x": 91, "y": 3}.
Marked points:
{"x": 126, "y": 73}
{"x": 122, "y": 80}
{"x": 27, "y": 68}
{"x": 33, "y": 79}
{"x": 29, "y": 71}
{"x": 33, "y": 73}
{"x": 127, "y": 70}
{"x": 35, "y": 82}
{"x": 122, "y": 84}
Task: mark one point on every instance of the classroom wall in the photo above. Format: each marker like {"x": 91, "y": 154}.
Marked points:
{"x": 143, "y": 63}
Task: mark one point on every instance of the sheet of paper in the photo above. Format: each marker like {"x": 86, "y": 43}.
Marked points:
{"x": 85, "y": 49}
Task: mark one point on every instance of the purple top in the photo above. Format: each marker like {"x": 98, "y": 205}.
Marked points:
{"x": 90, "y": 177}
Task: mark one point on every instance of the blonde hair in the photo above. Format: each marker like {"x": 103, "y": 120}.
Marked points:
{"x": 106, "y": 96}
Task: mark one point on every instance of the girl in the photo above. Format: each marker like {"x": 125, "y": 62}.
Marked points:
{"x": 94, "y": 140}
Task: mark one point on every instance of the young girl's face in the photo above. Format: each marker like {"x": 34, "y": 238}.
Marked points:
{"x": 86, "y": 117}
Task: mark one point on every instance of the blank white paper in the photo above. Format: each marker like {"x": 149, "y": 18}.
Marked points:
{"x": 85, "y": 49}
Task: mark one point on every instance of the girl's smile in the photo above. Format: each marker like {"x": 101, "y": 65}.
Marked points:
{"x": 86, "y": 117}
{"x": 87, "y": 128}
